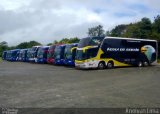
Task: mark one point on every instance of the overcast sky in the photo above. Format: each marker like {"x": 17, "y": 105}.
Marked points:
{"x": 49, "y": 20}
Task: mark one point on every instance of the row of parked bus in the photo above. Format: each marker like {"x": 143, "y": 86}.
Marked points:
{"x": 91, "y": 52}
{"x": 63, "y": 54}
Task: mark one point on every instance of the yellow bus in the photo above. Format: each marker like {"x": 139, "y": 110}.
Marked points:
{"x": 110, "y": 52}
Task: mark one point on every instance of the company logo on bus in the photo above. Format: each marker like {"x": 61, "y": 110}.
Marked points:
{"x": 123, "y": 49}
{"x": 148, "y": 50}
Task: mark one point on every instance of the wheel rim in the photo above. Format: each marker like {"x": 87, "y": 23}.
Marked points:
{"x": 140, "y": 64}
{"x": 101, "y": 66}
{"x": 110, "y": 65}
{"x": 145, "y": 63}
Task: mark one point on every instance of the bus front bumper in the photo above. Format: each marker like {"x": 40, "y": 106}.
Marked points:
{"x": 31, "y": 60}
{"x": 59, "y": 62}
{"x": 69, "y": 62}
{"x": 86, "y": 65}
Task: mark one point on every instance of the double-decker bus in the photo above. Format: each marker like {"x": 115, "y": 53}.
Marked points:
{"x": 113, "y": 51}
{"x": 33, "y": 53}
{"x": 28, "y": 54}
{"x": 13, "y": 55}
{"x": 50, "y": 55}
{"x": 69, "y": 54}
{"x": 7, "y": 55}
{"x": 42, "y": 54}
{"x": 59, "y": 54}
{"x": 4, "y": 54}
{"x": 20, "y": 55}
{"x": 24, "y": 55}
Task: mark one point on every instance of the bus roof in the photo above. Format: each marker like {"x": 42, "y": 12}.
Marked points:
{"x": 37, "y": 46}
{"x": 43, "y": 47}
{"x": 72, "y": 44}
{"x": 131, "y": 39}
{"x": 15, "y": 50}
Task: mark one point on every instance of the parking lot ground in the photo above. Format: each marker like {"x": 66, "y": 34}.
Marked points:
{"x": 41, "y": 85}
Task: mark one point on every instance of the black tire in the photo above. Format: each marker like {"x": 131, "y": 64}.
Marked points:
{"x": 140, "y": 64}
{"x": 145, "y": 63}
{"x": 101, "y": 65}
{"x": 110, "y": 65}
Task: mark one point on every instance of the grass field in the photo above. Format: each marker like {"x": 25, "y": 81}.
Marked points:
{"x": 0, "y": 59}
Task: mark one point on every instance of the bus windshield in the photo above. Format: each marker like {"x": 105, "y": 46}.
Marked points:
{"x": 20, "y": 53}
{"x": 80, "y": 55}
{"x": 24, "y": 53}
{"x": 90, "y": 41}
{"x": 67, "y": 52}
{"x": 40, "y": 53}
{"x": 96, "y": 41}
{"x": 57, "y": 53}
{"x": 29, "y": 53}
{"x": 84, "y": 42}
{"x": 89, "y": 53}
{"x": 14, "y": 54}
{"x": 50, "y": 52}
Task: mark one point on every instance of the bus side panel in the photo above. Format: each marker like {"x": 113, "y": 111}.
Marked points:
{"x": 128, "y": 51}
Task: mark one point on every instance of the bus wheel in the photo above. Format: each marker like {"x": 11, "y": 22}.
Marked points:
{"x": 140, "y": 64}
{"x": 145, "y": 64}
{"x": 110, "y": 65}
{"x": 101, "y": 65}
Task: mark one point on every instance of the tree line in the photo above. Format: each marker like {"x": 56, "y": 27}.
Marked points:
{"x": 4, "y": 45}
{"x": 144, "y": 28}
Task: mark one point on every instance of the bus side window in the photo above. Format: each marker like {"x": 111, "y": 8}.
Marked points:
{"x": 74, "y": 53}
{"x": 103, "y": 56}
{"x": 92, "y": 52}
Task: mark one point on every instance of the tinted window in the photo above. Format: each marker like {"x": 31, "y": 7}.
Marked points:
{"x": 112, "y": 42}
{"x": 131, "y": 43}
{"x": 96, "y": 41}
{"x": 90, "y": 41}
{"x": 92, "y": 52}
{"x": 84, "y": 42}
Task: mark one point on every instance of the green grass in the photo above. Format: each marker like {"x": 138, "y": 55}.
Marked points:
{"x": 158, "y": 60}
{"x": 0, "y": 59}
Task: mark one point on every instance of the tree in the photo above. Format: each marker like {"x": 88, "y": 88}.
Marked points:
{"x": 55, "y": 42}
{"x": 145, "y": 28}
{"x": 23, "y": 45}
{"x": 156, "y": 24}
{"x": 132, "y": 31}
{"x": 49, "y": 44}
{"x": 74, "y": 40}
{"x": 108, "y": 33}
{"x": 3, "y": 47}
{"x": 141, "y": 29}
{"x": 4, "y": 43}
{"x": 96, "y": 31}
{"x": 27, "y": 44}
{"x": 33, "y": 43}
{"x": 64, "y": 41}
{"x": 156, "y": 28}
{"x": 118, "y": 30}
